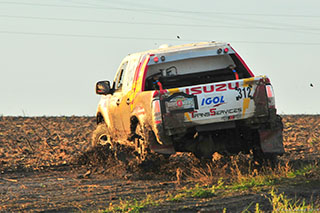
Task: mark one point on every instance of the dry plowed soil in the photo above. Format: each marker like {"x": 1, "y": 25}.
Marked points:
{"x": 47, "y": 164}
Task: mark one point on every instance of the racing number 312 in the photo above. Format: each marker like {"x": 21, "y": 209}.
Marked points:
{"x": 244, "y": 92}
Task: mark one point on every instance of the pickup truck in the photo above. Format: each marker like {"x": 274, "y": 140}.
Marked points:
{"x": 200, "y": 98}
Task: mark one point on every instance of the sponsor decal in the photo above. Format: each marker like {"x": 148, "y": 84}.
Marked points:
{"x": 180, "y": 102}
{"x": 196, "y": 114}
{"x": 212, "y": 88}
{"x": 214, "y": 112}
{"x": 215, "y": 100}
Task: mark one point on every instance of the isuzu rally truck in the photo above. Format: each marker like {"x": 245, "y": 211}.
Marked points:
{"x": 200, "y": 98}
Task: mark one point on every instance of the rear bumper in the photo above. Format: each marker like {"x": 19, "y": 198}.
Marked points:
{"x": 269, "y": 129}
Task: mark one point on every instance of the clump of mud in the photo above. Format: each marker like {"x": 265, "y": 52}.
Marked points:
{"x": 121, "y": 162}
{"x": 94, "y": 156}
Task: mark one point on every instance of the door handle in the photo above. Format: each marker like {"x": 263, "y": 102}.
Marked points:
{"x": 128, "y": 101}
{"x": 118, "y": 102}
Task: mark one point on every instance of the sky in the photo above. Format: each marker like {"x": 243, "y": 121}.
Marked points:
{"x": 52, "y": 52}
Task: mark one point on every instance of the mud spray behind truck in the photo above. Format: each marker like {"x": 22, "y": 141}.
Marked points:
{"x": 200, "y": 98}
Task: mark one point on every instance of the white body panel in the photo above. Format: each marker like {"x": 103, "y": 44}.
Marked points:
{"x": 223, "y": 101}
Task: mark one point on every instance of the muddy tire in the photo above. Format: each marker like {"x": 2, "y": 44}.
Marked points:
{"x": 101, "y": 136}
{"x": 142, "y": 141}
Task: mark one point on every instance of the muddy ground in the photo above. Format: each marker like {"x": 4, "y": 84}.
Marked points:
{"x": 46, "y": 164}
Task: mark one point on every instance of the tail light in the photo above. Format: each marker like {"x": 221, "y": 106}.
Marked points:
{"x": 156, "y": 111}
{"x": 270, "y": 95}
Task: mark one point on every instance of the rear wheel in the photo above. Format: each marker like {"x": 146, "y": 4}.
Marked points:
{"x": 101, "y": 136}
{"x": 141, "y": 143}
{"x": 143, "y": 139}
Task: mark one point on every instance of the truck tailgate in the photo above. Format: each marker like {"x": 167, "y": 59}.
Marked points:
{"x": 222, "y": 101}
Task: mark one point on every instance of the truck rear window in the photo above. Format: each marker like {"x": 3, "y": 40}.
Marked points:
{"x": 189, "y": 72}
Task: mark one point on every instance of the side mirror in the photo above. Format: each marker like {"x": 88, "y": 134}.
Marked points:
{"x": 103, "y": 88}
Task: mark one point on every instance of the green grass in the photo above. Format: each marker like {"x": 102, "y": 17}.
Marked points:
{"x": 252, "y": 182}
{"x": 131, "y": 205}
{"x": 280, "y": 203}
{"x": 176, "y": 198}
{"x": 257, "y": 181}
{"x": 194, "y": 192}
{"x": 201, "y": 192}
{"x": 303, "y": 171}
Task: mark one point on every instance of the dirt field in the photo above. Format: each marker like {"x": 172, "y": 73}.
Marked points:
{"x": 46, "y": 164}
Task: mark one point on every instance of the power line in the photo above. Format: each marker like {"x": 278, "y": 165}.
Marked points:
{"x": 147, "y": 23}
{"x": 98, "y": 7}
{"x": 232, "y": 13}
{"x": 155, "y": 12}
{"x": 84, "y": 36}
{"x": 148, "y": 38}
{"x": 167, "y": 11}
{"x": 162, "y": 24}
{"x": 276, "y": 42}
{"x": 223, "y": 16}
{"x": 53, "y": 5}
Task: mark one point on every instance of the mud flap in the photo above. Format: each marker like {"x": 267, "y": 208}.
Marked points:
{"x": 155, "y": 146}
{"x": 271, "y": 141}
